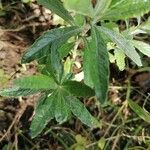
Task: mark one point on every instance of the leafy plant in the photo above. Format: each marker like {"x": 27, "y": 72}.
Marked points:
{"x": 59, "y": 93}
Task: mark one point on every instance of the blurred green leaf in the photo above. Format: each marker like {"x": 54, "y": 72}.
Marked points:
{"x": 111, "y": 58}
{"x": 26, "y": 1}
{"x": 57, "y": 7}
{"x": 68, "y": 66}
{"x": 139, "y": 111}
{"x": 120, "y": 59}
{"x": 101, "y": 7}
{"x": 79, "y": 20}
{"x": 142, "y": 47}
{"x": 146, "y": 26}
{"x": 125, "y": 9}
{"x": 101, "y": 143}
{"x": 83, "y": 7}
{"x": 80, "y": 139}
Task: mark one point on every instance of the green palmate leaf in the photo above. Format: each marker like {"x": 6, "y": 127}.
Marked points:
{"x": 139, "y": 111}
{"x": 65, "y": 49}
{"x": 120, "y": 59}
{"x": 126, "y": 9}
{"x": 142, "y": 47}
{"x": 43, "y": 43}
{"x": 50, "y": 68}
{"x": 96, "y": 65}
{"x": 123, "y": 44}
{"x": 56, "y": 64}
{"x": 17, "y": 91}
{"x": 101, "y": 7}
{"x": 54, "y": 106}
{"x": 80, "y": 111}
{"x": 78, "y": 89}
{"x": 57, "y": 7}
{"x": 83, "y": 7}
{"x": 36, "y": 82}
{"x": 43, "y": 114}
{"x": 62, "y": 111}
{"x": 40, "y": 101}
{"x": 43, "y": 70}
{"x": 42, "y": 54}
